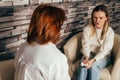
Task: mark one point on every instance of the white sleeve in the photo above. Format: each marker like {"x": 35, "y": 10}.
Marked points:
{"x": 18, "y": 55}
{"x": 106, "y": 46}
{"x": 59, "y": 71}
{"x": 86, "y": 41}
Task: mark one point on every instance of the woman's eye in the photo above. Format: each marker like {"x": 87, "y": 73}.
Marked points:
{"x": 95, "y": 18}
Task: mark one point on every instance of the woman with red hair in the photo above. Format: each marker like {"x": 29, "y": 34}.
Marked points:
{"x": 39, "y": 58}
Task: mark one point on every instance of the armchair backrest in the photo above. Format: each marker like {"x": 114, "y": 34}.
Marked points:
{"x": 116, "y": 46}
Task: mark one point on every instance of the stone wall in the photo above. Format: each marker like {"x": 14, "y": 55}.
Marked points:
{"x": 15, "y": 17}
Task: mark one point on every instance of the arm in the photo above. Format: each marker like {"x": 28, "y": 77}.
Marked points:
{"x": 86, "y": 42}
{"x": 106, "y": 46}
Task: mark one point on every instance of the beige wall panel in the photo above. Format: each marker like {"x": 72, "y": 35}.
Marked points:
{"x": 57, "y": 0}
{"x": 20, "y": 2}
{"x": 45, "y": 1}
{"x": 5, "y": 3}
{"x": 34, "y": 1}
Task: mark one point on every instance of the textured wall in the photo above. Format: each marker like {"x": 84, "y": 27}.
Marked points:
{"x": 15, "y": 18}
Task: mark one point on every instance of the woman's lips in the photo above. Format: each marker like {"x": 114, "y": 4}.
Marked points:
{"x": 96, "y": 23}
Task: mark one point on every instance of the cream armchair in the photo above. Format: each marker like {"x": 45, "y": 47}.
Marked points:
{"x": 72, "y": 51}
{"x": 7, "y": 70}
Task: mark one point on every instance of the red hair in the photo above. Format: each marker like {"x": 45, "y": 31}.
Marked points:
{"x": 45, "y": 24}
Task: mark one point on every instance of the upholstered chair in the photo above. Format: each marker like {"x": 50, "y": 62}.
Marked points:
{"x": 72, "y": 51}
{"x": 7, "y": 70}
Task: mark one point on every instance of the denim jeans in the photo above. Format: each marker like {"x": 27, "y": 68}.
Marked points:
{"x": 93, "y": 72}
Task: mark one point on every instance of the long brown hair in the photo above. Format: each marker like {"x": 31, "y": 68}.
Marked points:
{"x": 45, "y": 24}
{"x": 102, "y": 8}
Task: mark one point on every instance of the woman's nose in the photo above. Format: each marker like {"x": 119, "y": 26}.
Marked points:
{"x": 97, "y": 20}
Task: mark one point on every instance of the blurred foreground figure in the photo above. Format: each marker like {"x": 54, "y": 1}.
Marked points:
{"x": 38, "y": 58}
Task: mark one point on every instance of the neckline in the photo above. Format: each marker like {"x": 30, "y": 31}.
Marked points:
{"x": 50, "y": 43}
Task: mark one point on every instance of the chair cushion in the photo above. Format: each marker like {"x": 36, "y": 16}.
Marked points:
{"x": 105, "y": 73}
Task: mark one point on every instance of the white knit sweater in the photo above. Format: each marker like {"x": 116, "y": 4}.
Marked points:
{"x": 102, "y": 48}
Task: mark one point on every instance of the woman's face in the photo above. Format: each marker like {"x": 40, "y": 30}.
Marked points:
{"x": 99, "y": 19}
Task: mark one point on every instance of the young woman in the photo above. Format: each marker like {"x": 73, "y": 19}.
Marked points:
{"x": 97, "y": 42}
{"x": 39, "y": 58}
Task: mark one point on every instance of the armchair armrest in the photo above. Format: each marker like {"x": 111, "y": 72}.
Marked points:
{"x": 72, "y": 51}
{"x": 115, "y": 74}
{"x": 72, "y": 47}
{"x": 7, "y": 70}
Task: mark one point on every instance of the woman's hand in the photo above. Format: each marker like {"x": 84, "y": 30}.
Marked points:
{"x": 86, "y": 58}
{"x": 90, "y": 63}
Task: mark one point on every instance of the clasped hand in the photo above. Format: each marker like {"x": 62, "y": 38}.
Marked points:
{"x": 88, "y": 62}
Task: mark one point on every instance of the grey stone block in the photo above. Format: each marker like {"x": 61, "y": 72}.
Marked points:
{"x": 5, "y": 34}
{"x": 20, "y": 2}
{"x": 14, "y": 23}
{"x": 6, "y": 29}
{"x": 13, "y": 18}
{"x": 6, "y": 3}
{"x": 15, "y": 44}
{"x": 34, "y": 1}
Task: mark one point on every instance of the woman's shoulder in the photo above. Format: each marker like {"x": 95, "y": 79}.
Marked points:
{"x": 110, "y": 30}
{"x": 86, "y": 29}
{"x": 51, "y": 50}
{"x": 56, "y": 52}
